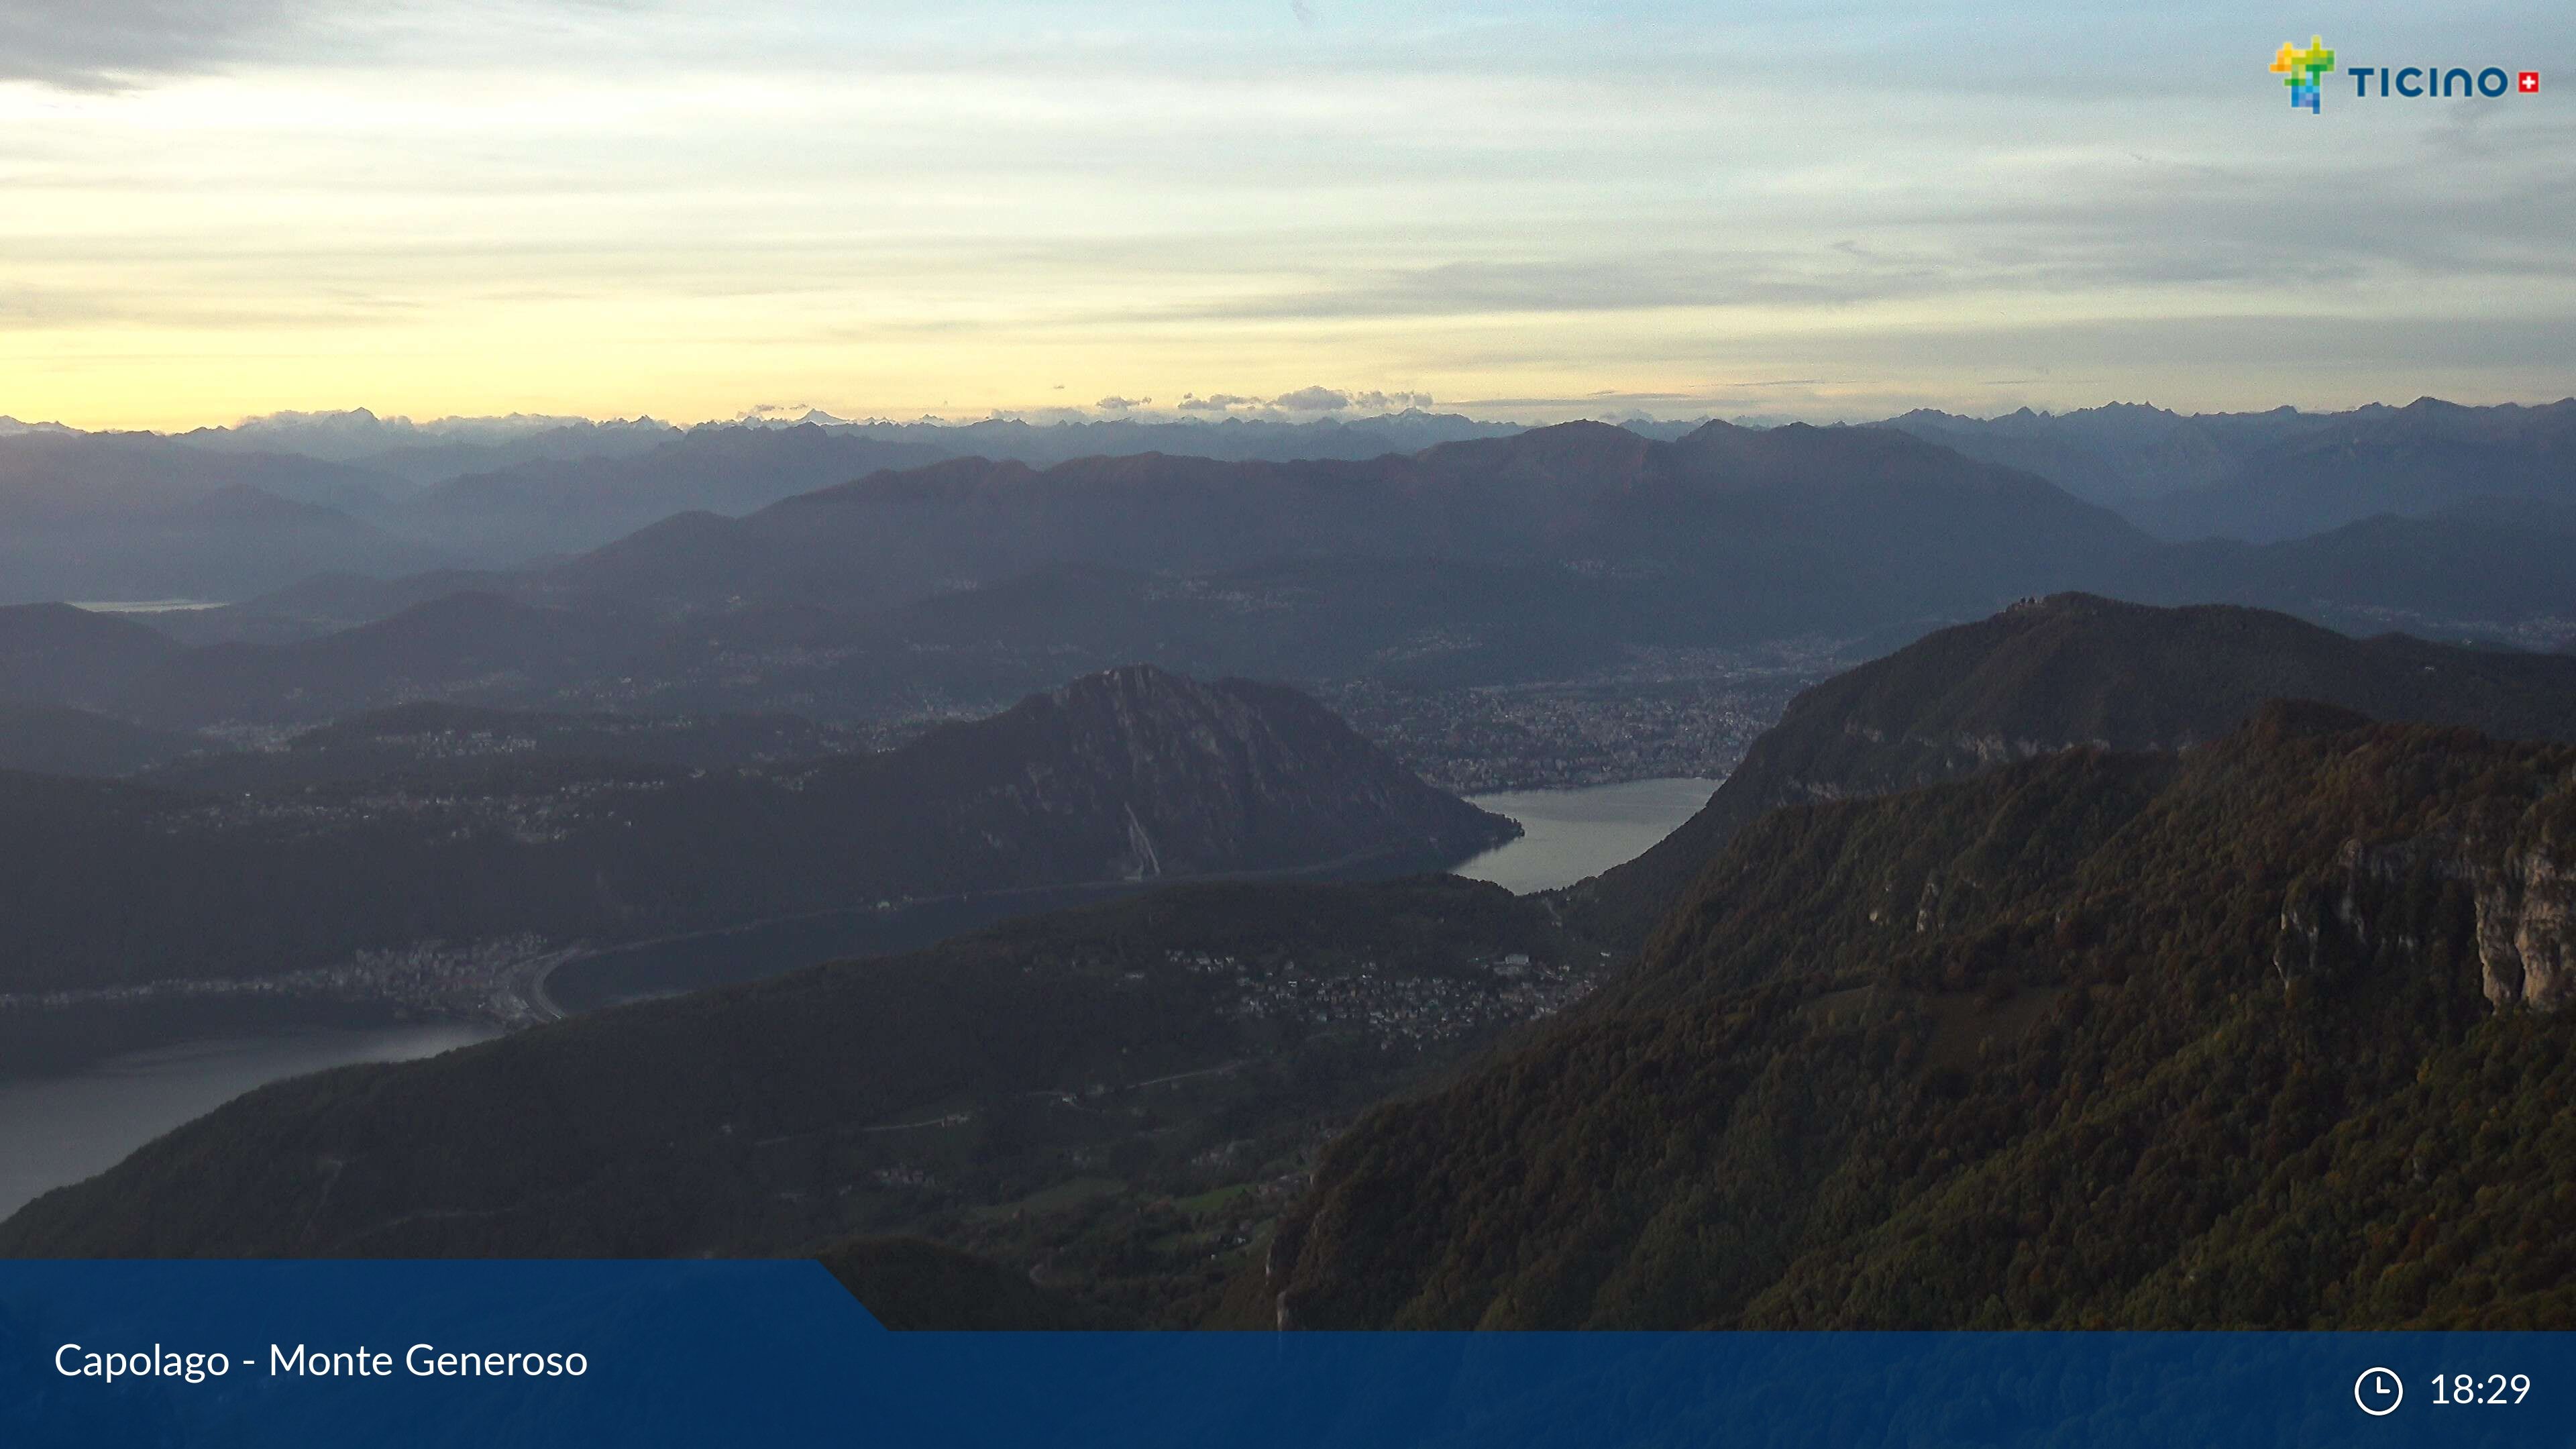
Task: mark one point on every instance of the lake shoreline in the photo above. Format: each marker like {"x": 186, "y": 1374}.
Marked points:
{"x": 58, "y": 1130}
{"x": 45, "y": 1043}
{"x": 1574, "y": 834}
{"x": 142, "y": 1067}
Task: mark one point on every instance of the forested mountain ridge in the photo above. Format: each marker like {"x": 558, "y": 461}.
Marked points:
{"x": 2055, "y": 673}
{"x": 428, "y": 739}
{"x": 1130, "y": 775}
{"x": 1553, "y": 554}
{"x": 1563, "y": 553}
{"x": 2242, "y": 1038}
{"x": 1732, "y": 513}
{"x": 1123, "y": 1095}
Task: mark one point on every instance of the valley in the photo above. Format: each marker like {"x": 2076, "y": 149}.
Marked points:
{"x": 1565, "y": 725}
{"x": 913, "y": 859}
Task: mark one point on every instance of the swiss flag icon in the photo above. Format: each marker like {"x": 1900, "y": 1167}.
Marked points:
{"x": 2529, "y": 83}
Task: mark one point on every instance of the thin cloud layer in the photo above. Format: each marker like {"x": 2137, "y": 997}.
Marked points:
{"x": 606, "y": 206}
{"x": 108, "y": 45}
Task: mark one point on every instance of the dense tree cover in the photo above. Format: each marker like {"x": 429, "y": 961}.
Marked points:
{"x": 2092, "y": 1040}
{"x": 460, "y": 745}
{"x": 1078, "y": 1093}
{"x": 2066, "y": 671}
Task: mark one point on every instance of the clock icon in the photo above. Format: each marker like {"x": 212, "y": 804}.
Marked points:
{"x": 2378, "y": 1391}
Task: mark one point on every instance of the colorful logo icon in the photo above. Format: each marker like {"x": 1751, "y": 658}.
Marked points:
{"x": 2304, "y": 69}
{"x": 2528, "y": 83}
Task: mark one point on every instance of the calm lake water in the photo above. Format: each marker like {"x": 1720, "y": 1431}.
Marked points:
{"x": 1578, "y": 833}
{"x": 58, "y": 1130}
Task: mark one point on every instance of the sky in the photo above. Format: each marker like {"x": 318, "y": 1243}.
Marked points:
{"x": 211, "y": 209}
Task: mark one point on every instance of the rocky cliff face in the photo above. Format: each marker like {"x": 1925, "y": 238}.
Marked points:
{"x": 2068, "y": 672}
{"x": 2515, "y": 903}
{"x": 2527, "y": 930}
{"x": 2224, "y": 1039}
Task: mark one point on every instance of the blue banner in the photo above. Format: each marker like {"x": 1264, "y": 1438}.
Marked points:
{"x": 776, "y": 1353}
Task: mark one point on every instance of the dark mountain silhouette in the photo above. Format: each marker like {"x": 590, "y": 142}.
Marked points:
{"x": 507, "y": 491}
{"x": 1819, "y": 525}
{"x": 1132, "y": 775}
{"x": 1534, "y": 556}
{"x": 2066, "y": 672}
{"x": 2261, "y": 1037}
{"x": 1547, "y": 554}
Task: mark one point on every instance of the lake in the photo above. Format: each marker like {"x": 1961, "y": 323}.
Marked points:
{"x": 1577, "y": 833}
{"x": 58, "y": 1130}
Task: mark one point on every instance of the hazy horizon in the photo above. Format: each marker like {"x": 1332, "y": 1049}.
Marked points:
{"x": 1536, "y": 210}
{"x": 1041, "y": 417}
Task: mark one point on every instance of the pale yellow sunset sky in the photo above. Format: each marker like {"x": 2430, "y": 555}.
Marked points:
{"x": 227, "y": 208}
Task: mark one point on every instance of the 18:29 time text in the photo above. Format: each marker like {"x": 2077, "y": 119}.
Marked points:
{"x": 2480, "y": 1389}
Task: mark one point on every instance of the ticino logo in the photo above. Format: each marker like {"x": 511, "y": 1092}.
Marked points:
{"x": 2304, "y": 68}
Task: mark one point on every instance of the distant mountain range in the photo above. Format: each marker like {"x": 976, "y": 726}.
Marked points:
{"x": 1758, "y": 529}
{"x": 1544, "y": 554}
{"x": 960, "y": 584}
{"x": 2069, "y": 672}
{"x": 122, "y": 514}
{"x": 569, "y": 504}
{"x": 131, "y": 516}
{"x": 453, "y": 447}
{"x": 2284, "y": 474}
{"x": 499, "y": 827}
{"x": 2488, "y": 569}
{"x": 358, "y": 436}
